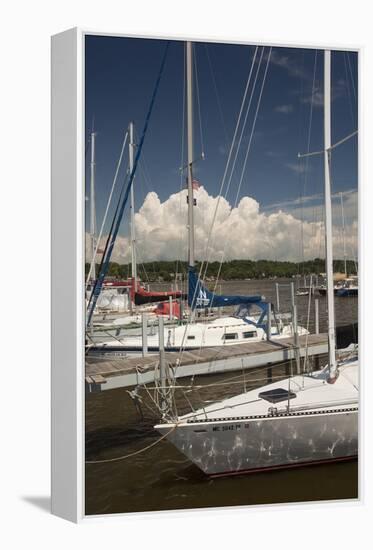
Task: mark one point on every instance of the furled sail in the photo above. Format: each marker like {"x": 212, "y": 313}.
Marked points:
{"x": 142, "y": 296}
{"x": 200, "y": 297}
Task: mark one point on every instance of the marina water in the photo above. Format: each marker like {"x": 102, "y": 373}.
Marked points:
{"x": 162, "y": 479}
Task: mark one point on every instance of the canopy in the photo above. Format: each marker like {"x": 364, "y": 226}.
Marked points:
{"x": 200, "y": 297}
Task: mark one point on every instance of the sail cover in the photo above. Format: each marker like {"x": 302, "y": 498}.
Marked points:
{"x": 200, "y": 297}
{"x": 143, "y": 296}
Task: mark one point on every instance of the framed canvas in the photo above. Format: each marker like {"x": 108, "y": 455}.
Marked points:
{"x": 205, "y": 282}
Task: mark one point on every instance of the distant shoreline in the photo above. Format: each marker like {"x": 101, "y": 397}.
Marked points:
{"x": 234, "y": 270}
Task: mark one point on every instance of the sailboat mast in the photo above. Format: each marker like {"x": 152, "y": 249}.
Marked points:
{"x": 132, "y": 208}
{"x": 189, "y": 75}
{"x": 344, "y": 234}
{"x": 93, "y": 205}
{"x": 328, "y": 210}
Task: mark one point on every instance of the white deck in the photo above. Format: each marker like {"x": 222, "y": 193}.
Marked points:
{"x": 312, "y": 392}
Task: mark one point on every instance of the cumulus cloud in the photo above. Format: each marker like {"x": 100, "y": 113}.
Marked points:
{"x": 241, "y": 232}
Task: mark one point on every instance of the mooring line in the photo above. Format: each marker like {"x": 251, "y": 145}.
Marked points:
{"x": 116, "y": 459}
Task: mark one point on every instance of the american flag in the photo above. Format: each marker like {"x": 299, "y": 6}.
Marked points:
{"x": 195, "y": 185}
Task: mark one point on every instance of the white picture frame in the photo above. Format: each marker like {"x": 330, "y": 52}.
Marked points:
{"x": 68, "y": 303}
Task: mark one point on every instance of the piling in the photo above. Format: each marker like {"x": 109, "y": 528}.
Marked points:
{"x": 269, "y": 308}
{"x": 277, "y": 297}
{"x": 295, "y": 327}
{"x": 144, "y": 333}
{"x": 162, "y": 363}
{"x": 171, "y": 314}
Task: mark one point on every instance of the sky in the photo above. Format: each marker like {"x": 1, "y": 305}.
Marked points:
{"x": 273, "y": 208}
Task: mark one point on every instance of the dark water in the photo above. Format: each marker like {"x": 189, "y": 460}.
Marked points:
{"x": 163, "y": 479}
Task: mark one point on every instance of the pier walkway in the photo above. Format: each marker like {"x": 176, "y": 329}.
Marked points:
{"x": 120, "y": 372}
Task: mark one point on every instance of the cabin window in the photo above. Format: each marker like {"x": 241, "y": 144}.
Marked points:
{"x": 250, "y": 334}
{"x": 191, "y": 338}
{"x": 230, "y": 336}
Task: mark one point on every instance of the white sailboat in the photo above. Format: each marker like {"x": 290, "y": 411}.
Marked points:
{"x": 242, "y": 327}
{"x": 305, "y": 419}
{"x": 224, "y": 331}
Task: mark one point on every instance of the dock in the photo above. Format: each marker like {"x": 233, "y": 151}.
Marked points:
{"x": 124, "y": 372}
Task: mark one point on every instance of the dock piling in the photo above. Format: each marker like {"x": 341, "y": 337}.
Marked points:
{"x": 268, "y": 327}
{"x": 277, "y": 296}
{"x": 144, "y": 333}
{"x": 162, "y": 363}
{"x": 171, "y": 314}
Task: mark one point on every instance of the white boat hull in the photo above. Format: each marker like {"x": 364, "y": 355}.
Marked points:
{"x": 241, "y": 445}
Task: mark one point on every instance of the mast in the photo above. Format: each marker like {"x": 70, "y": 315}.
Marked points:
{"x": 328, "y": 212}
{"x": 344, "y": 234}
{"x": 189, "y": 70}
{"x": 93, "y": 206}
{"x": 132, "y": 209}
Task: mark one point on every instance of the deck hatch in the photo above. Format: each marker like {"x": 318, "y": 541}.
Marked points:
{"x": 277, "y": 395}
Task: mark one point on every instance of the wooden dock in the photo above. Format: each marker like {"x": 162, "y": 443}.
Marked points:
{"x": 119, "y": 372}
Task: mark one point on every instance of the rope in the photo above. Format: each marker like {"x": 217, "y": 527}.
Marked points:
{"x": 124, "y": 457}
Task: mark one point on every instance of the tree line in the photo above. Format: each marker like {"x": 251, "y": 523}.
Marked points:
{"x": 231, "y": 270}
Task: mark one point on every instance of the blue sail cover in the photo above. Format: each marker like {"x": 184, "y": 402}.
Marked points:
{"x": 200, "y": 297}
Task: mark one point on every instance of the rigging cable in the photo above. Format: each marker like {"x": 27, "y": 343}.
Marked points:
{"x": 181, "y": 184}
{"x": 247, "y": 152}
{"x": 353, "y": 118}
{"x": 352, "y": 79}
{"x": 107, "y": 207}
{"x": 307, "y": 157}
{"x": 217, "y": 96}
{"x": 120, "y": 210}
{"x": 230, "y": 154}
{"x": 238, "y": 146}
{"x": 238, "y": 124}
{"x": 246, "y": 157}
{"x": 244, "y": 164}
{"x": 199, "y": 106}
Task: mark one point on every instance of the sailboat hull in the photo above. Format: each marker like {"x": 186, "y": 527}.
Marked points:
{"x": 348, "y": 292}
{"x": 243, "y": 445}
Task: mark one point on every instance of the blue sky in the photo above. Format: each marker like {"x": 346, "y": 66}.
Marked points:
{"x": 120, "y": 76}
